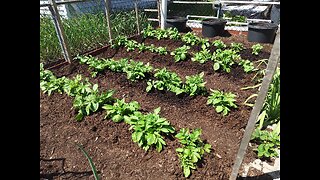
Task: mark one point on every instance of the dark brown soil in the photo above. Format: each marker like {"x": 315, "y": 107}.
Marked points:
{"x": 109, "y": 144}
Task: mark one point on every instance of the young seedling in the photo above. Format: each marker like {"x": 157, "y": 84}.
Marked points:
{"x": 131, "y": 45}
{"x": 136, "y": 70}
{"x": 224, "y": 59}
{"x": 180, "y": 54}
{"x": 202, "y": 56}
{"x": 222, "y": 101}
{"x": 190, "y": 39}
{"x": 247, "y": 65}
{"x": 173, "y": 33}
{"x": 166, "y": 80}
{"x": 192, "y": 149}
{"x": 119, "y": 109}
{"x": 219, "y": 44}
{"x": 268, "y": 142}
{"x": 237, "y": 47}
{"x": 256, "y": 49}
{"x": 148, "y": 129}
{"x": 161, "y": 50}
{"x": 195, "y": 84}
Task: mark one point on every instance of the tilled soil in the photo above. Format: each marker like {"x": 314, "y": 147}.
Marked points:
{"x": 109, "y": 144}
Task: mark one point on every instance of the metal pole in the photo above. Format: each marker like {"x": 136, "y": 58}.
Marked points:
{"x": 271, "y": 67}
{"x": 163, "y": 12}
{"x": 60, "y": 31}
{"x": 107, "y": 10}
{"x": 137, "y": 15}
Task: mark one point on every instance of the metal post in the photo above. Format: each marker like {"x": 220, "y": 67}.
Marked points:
{"x": 137, "y": 15}
{"x": 158, "y": 15}
{"x": 271, "y": 67}
{"x": 60, "y": 31}
{"x": 107, "y": 10}
{"x": 163, "y": 12}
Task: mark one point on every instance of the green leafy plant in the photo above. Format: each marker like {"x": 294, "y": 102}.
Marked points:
{"x": 192, "y": 149}
{"x": 148, "y": 31}
{"x": 204, "y": 42}
{"x": 148, "y": 129}
{"x": 237, "y": 47}
{"x": 173, "y": 33}
{"x": 180, "y": 53}
{"x": 76, "y": 86}
{"x": 142, "y": 47}
{"x": 131, "y": 45}
{"x": 152, "y": 48}
{"x": 268, "y": 141}
{"x": 93, "y": 168}
{"x": 222, "y": 101}
{"x": 119, "y": 41}
{"x": 224, "y": 59}
{"x": 190, "y": 38}
{"x": 54, "y": 85}
{"x": 202, "y": 56}
{"x": 117, "y": 66}
{"x": 166, "y": 80}
{"x": 195, "y": 84}
{"x": 247, "y": 65}
{"x": 219, "y": 44}
{"x": 85, "y": 104}
{"x": 136, "y": 70}
{"x": 256, "y": 49}
{"x": 161, "y": 50}
{"x": 119, "y": 109}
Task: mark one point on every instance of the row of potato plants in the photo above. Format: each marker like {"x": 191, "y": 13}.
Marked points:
{"x": 148, "y": 129}
{"x": 164, "y": 80}
{"x": 222, "y": 58}
{"x": 192, "y": 39}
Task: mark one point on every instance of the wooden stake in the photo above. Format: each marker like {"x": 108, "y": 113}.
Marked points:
{"x": 271, "y": 67}
{"x": 107, "y": 10}
{"x": 60, "y": 30}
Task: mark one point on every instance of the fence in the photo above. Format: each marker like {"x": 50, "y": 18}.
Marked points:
{"x": 83, "y": 25}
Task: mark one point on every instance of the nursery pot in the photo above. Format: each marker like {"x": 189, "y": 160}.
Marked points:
{"x": 177, "y": 22}
{"x": 213, "y": 27}
{"x": 262, "y": 32}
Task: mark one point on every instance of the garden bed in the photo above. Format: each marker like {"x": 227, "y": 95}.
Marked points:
{"x": 109, "y": 144}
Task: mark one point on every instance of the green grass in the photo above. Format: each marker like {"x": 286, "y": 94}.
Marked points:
{"x": 85, "y": 32}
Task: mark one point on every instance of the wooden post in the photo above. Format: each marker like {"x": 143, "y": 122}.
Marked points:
{"x": 137, "y": 15}
{"x": 271, "y": 67}
{"x": 60, "y": 30}
{"x": 107, "y": 10}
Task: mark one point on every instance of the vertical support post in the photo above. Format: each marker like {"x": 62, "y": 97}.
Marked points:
{"x": 163, "y": 13}
{"x": 271, "y": 67}
{"x": 60, "y": 30}
{"x": 107, "y": 10}
{"x": 158, "y": 7}
{"x": 137, "y": 15}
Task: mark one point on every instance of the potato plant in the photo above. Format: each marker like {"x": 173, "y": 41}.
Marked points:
{"x": 247, "y": 65}
{"x": 222, "y": 101}
{"x": 237, "y": 47}
{"x": 119, "y": 109}
{"x": 190, "y": 39}
{"x": 180, "y": 54}
{"x": 195, "y": 84}
{"x": 136, "y": 70}
{"x": 202, "y": 56}
{"x": 192, "y": 149}
{"x": 165, "y": 80}
{"x": 256, "y": 49}
{"x": 224, "y": 59}
{"x": 219, "y": 44}
{"x": 148, "y": 129}
{"x": 268, "y": 141}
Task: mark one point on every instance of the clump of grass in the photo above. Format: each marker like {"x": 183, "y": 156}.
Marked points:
{"x": 85, "y": 32}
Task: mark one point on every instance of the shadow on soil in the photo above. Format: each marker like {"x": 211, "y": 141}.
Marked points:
{"x": 62, "y": 173}
{"x": 268, "y": 176}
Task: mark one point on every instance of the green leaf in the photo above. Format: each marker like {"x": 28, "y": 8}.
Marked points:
{"x": 216, "y": 66}
{"x": 157, "y": 110}
{"x": 179, "y": 150}
{"x": 207, "y": 148}
{"x": 219, "y": 109}
{"x": 186, "y": 171}
{"x": 117, "y": 118}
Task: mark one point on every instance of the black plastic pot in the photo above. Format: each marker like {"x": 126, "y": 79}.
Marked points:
{"x": 177, "y": 22}
{"x": 213, "y": 27}
{"x": 262, "y": 32}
